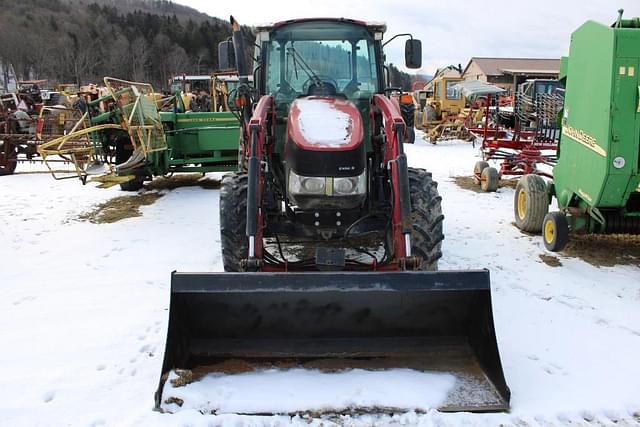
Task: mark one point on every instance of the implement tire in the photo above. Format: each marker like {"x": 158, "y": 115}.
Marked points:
{"x": 409, "y": 135}
{"x": 555, "y": 231}
{"x": 8, "y": 158}
{"x": 426, "y": 219}
{"x": 408, "y": 112}
{"x": 233, "y": 220}
{"x": 489, "y": 179}
{"x": 133, "y": 185}
{"x": 530, "y": 203}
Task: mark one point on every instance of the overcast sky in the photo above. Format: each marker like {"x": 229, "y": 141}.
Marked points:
{"x": 451, "y": 31}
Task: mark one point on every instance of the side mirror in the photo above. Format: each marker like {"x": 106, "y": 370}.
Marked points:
{"x": 226, "y": 56}
{"x": 413, "y": 53}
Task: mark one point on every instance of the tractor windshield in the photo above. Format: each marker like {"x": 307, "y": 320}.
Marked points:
{"x": 321, "y": 58}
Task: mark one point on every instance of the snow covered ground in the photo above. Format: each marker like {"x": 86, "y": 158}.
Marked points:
{"x": 84, "y": 308}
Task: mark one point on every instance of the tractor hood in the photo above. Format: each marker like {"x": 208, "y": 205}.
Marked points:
{"x": 324, "y": 124}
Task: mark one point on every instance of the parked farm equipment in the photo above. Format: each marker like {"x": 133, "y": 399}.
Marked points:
{"x": 526, "y": 147}
{"x": 123, "y": 138}
{"x": 596, "y": 181}
{"x": 440, "y": 117}
{"x": 330, "y": 242}
{"x": 20, "y": 113}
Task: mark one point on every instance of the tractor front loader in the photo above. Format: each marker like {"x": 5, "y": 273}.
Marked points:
{"x": 330, "y": 242}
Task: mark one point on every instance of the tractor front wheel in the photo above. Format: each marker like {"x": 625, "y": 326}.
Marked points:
{"x": 233, "y": 220}
{"x": 555, "y": 231}
{"x": 530, "y": 203}
{"x": 426, "y": 219}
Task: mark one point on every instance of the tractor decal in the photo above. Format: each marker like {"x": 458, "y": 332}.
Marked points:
{"x": 584, "y": 139}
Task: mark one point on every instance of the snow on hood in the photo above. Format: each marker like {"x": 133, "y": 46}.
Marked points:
{"x": 319, "y": 123}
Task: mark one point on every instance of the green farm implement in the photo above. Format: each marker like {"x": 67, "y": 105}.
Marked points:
{"x": 132, "y": 134}
{"x": 596, "y": 181}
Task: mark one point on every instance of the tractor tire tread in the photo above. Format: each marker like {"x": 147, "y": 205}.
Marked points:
{"x": 426, "y": 218}
{"x": 233, "y": 220}
{"x": 537, "y": 203}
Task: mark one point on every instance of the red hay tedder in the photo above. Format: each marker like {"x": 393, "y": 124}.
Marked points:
{"x": 523, "y": 138}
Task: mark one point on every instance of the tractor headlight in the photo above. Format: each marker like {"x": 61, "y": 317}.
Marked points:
{"x": 306, "y": 184}
{"x": 328, "y": 186}
{"x": 350, "y": 185}
{"x": 312, "y": 185}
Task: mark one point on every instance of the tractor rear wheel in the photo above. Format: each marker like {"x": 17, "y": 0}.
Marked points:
{"x": 555, "y": 231}
{"x": 426, "y": 219}
{"x": 530, "y": 203}
{"x": 233, "y": 220}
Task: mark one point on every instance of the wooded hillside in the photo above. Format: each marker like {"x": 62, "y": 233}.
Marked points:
{"x": 81, "y": 41}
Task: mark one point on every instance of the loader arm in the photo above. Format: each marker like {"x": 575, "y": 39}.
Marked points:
{"x": 258, "y": 128}
{"x": 396, "y": 161}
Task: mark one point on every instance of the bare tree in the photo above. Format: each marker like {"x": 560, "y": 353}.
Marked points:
{"x": 139, "y": 55}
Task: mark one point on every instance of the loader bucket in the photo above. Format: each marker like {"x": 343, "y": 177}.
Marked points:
{"x": 427, "y": 321}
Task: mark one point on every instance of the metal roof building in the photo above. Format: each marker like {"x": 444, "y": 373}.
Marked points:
{"x": 507, "y": 73}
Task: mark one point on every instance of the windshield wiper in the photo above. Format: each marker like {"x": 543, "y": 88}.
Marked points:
{"x": 297, "y": 58}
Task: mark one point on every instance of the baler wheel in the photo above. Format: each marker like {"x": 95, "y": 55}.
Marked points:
{"x": 555, "y": 231}
{"x": 233, "y": 220}
{"x": 489, "y": 179}
{"x": 530, "y": 203}
{"x": 477, "y": 170}
{"x": 426, "y": 219}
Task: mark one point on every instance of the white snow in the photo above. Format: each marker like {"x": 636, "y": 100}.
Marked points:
{"x": 83, "y": 312}
{"x": 322, "y": 124}
{"x": 288, "y": 391}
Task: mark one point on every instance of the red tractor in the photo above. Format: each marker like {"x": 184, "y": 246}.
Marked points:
{"x": 330, "y": 242}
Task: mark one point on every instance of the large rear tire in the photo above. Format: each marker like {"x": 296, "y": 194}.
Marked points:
{"x": 530, "y": 203}
{"x": 426, "y": 219}
{"x": 233, "y": 220}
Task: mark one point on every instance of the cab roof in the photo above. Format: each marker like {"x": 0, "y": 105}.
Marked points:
{"x": 373, "y": 26}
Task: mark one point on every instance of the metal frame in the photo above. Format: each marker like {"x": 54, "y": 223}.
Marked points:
{"x": 519, "y": 150}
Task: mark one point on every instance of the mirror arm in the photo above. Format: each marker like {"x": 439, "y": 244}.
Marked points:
{"x": 397, "y": 35}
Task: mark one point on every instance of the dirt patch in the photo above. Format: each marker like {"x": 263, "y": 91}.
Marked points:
{"x": 183, "y": 180}
{"x": 550, "y": 260}
{"x": 605, "y": 250}
{"x": 119, "y": 208}
{"x": 469, "y": 183}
